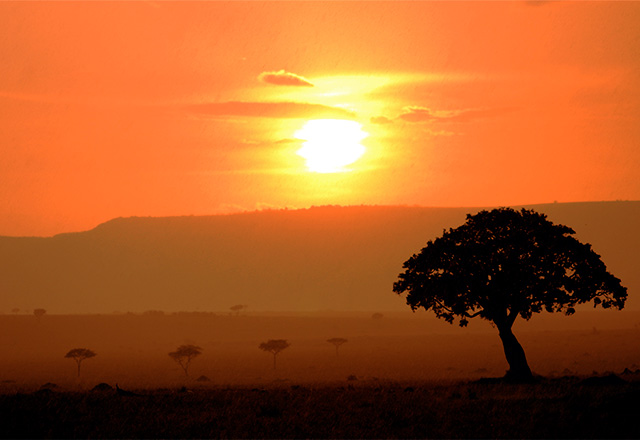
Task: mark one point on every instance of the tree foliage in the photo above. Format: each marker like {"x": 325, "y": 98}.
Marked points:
{"x": 502, "y": 264}
{"x": 80, "y": 353}
{"x": 337, "y": 341}
{"x": 505, "y": 263}
{"x": 184, "y": 354}
{"x": 274, "y": 346}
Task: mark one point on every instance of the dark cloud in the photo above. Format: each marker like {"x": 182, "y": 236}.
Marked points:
{"x": 282, "y": 78}
{"x": 423, "y": 114}
{"x": 293, "y": 110}
{"x": 380, "y": 120}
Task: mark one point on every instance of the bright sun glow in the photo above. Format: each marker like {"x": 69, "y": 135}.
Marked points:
{"x": 331, "y": 144}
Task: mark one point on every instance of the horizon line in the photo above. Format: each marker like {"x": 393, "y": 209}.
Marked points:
{"x": 295, "y": 209}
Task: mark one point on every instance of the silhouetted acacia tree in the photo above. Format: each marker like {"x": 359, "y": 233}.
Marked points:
{"x": 274, "y": 346}
{"x": 39, "y": 313}
{"x": 184, "y": 355}
{"x": 78, "y": 355}
{"x": 337, "y": 342}
{"x": 505, "y": 263}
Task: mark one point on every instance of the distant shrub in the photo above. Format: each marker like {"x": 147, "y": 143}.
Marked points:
{"x": 102, "y": 387}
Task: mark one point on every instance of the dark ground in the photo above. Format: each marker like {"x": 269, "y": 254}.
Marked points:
{"x": 565, "y": 407}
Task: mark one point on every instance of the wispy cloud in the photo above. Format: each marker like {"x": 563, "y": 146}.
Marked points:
{"x": 29, "y": 97}
{"x": 293, "y": 110}
{"x": 284, "y": 141}
{"x": 440, "y": 133}
{"x": 282, "y": 78}
{"x": 380, "y": 120}
{"x": 423, "y": 114}
{"x": 417, "y": 114}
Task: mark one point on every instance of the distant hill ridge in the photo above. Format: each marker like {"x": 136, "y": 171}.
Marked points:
{"x": 328, "y": 257}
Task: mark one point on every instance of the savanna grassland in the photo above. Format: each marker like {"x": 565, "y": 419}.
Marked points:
{"x": 404, "y": 376}
{"x": 561, "y": 408}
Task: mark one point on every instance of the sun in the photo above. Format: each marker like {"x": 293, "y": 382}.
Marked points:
{"x": 331, "y": 144}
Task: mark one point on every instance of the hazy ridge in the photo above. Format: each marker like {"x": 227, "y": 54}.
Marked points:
{"x": 322, "y": 258}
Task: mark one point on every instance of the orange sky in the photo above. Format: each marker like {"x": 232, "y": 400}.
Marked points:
{"x": 152, "y": 108}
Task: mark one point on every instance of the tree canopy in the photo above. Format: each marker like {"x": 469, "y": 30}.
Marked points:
{"x": 80, "y": 354}
{"x": 337, "y": 341}
{"x": 502, "y": 264}
{"x": 274, "y": 346}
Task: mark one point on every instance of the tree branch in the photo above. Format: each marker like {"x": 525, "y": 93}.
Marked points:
{"x": 443, "y": 306}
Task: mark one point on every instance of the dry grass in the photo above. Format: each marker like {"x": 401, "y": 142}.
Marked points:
{"x": 561, "y": 408}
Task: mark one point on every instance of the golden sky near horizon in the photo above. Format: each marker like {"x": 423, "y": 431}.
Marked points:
{"x": 112, "y": 109}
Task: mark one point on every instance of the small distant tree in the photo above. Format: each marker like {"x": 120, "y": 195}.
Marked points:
{"x": 184, "y": 354}
{"x": 503, "y": 264}
{"x": 15, "y": 310}
{"x": 377, "y": 316}
{"x": 274, "y": 346}
{"x": 39, "y": 313}
{"x": 78, "y": 355}
{"x": 238, "y": 308}
{"x": 337, "y": 342}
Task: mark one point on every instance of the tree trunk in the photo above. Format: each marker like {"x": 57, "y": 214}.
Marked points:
{"x": 185, "y": 367}
{"x": 519, "y": 370}
{"x": 78, "y": 362}
{"x": 274, "y": 360}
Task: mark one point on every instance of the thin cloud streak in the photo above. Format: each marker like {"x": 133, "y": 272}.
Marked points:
{"x": 291, "y": 110}
{"x": 380, "y": 120}
{"x": 282, "y": 78}
{"x": 417, "y": 114}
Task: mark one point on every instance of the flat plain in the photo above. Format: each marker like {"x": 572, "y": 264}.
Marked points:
{"x": 401, "y": 376}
